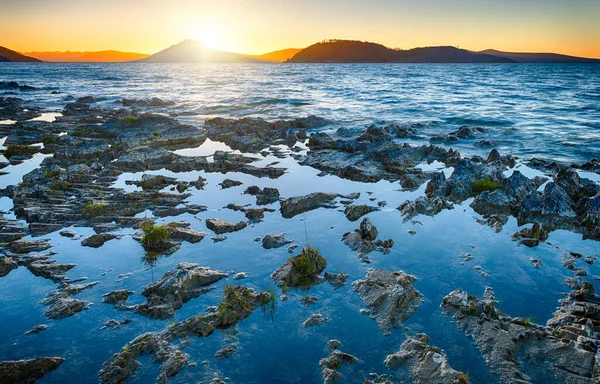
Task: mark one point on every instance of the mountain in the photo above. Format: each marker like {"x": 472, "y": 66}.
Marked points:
{"x": 522, "y": 57}
{"x": 87, "y": 57}
{"x": 352, "y": 51}
{"x": 190, "y": 51}
{"x": 276, "y": 56}
{"x": 7, "y": 55}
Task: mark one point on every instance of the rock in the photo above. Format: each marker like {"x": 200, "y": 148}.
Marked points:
{"x": 239, "y": 302}
{"x": 308, "y": 300}
{"x": 336, "y": 279}
{"x": 331, "y": 365}
{"x": 37, "y": 329}
{"x": 228, "y": 183}
{"x": 355, "y": 212}
{"x": 155, "y": 182}
{"x": 186, "y": 234}
{"x": 531, "y": 237}
{"x": 545, "y": 351}
{"x": 333, "y": 344}
{"x": 362, "y": 240}
{"x": 314, "y": 319}
{"x": 275, "y": 241}
{"x": 27, "y": 371}
{"x": 7, "y": 264}
{"x": 115, "y": 324}
{"x": 118, "y": 296}
{"x": 552, "y": 206}
{"x": 27, "y": 246}
{"x": 302, "y": 270}
{"x": 423, "y": 206}
{"x": 264, "y": 196}
{"x": 390, "y": 296}
{"x": 240, "y": 275}
{"x": 426, "y": 364}
{"x": 177, "y": 287}
{"x": 61, "y": 305}
{"x": 220, "y": 226}
{"x": 98, "y": 240}
{"x": 67, "y": 233}
{"x": 86, "y": 100}
{"x": 226, "y": 352}
{"x": 293, "y": 206}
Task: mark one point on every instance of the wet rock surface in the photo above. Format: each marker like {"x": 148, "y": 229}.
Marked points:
{"x": 364, "y": 240}
{"x": 426, "y": 363}
{"x": 275, "y": 241}
{"x": 27, "y": 371}
{"x": 390, "y": 297}
{"x": 331, "y": 364}
{"x": 508, "y": 344}
{"x": 220, "y": 226}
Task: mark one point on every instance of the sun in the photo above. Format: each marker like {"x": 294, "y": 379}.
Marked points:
{"x": 210, "y": 35}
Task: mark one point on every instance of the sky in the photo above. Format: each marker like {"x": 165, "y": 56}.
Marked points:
{"x": 259, "y": 26}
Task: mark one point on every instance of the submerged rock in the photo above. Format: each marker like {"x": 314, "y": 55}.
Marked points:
{"x": 301, "y": 270}
{"x": 238, "y": 303}
{"x": 226, "y": 351}
{"x": 314, "y": 319}
{"x": 275, "y": 241}
{"x": 177, "y": 287}
{"x": 426, "y": 364}
{"x": 336, "y": 279}
{"x": 27, "y": 371}
{"x": 390, "y": 296}
{"x": 37, "y": 329}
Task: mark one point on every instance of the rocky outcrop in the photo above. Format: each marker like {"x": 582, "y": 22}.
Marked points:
{"x": 508, "y": 344}
{"x": 302, "y": 270}
{"x": 237, "y": 304}
{"x": 426, "y": 364}
{"x": 355, "y": 212}
{"x": 331, "y": 364}
{"x": 423, "y": 206}
{"x": 363, "y": 240}
{"x": 390, "y": 296}
{"x": 176, "y": 288}
{"x": 293, "y": 206}
{"x": 27, "y": 371}
{"x": 61, "y": 304}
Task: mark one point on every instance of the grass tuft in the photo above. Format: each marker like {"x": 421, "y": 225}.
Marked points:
{"x": 155, "y": 236}
{"x": 485, "y": 185}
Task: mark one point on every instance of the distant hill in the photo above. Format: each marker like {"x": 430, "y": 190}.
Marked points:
{"x": 87, "y": 57}
{"x": 352, "y": 51}
{"x": 276, "y": 56}
{"x": 7, "y": 55}
{"x": 190, "y": 51}
{"x": 522, "y": 57}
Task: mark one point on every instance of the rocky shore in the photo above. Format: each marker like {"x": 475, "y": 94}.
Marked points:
{"x": 90, "y": 148}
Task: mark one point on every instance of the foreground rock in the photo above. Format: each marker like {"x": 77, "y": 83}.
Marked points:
{"x": 302, "y": 270}
{"x": 426, "y": 364}
{"x": 27, "y": 371}
{"x": 176, "y": 288}
{"x": 363, "y": 240}
{"x": 509, "y": 345}
{"x": 390, "y": 296}
{"x": 238, "y": 303}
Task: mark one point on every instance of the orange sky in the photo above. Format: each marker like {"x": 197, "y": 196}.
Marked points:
{"x": 259, "y": 26}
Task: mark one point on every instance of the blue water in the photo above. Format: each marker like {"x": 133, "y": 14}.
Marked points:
{"x": 550, "y": 111}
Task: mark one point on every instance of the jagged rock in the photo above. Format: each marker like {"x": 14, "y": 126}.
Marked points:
{"x": 363, "y": 240}
{"x": 552, "y": 206}
{"x": 499, "y": 337}
{"x": 27, "y": 371}
{"x": 531, "y": 237}
{"x": 426, "y": 364}
{"x": 390, "y": 296}
{"x": 335, "y": 279}
{"x": 301, "y": 270}
{"x": 355, "y": 212}
{"x": 220, "y": 226}
{"x": 275, "y": 241}
{"x": 61, "y": 305}
{"x": 98, "y": 240}
{"x": 331, "y": 364}
{"x": 293, "y": 206}
{"x": 228, "y": 183}
{"x": 177, "y": 287}
{"x": 239, "y": 302}
{"x": 118, "y": 296}
{"x": 264, "y": 196}
{"x": 314, "y": 319}
{"x": 423, "y": 206}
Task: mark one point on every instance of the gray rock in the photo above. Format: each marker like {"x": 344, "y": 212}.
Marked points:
{"x": 293, "y": 206}
{"x": 275, "y": 241}
{"x": 355, "y": 212}
{"x": 27, "y": 371}
{"x": 220, "y": 226}
{"x": 301, "y": 270}
{"x": 98, "y": 240}
{"x": 37, "y": 329}
{"x": 331, "y": 364}
{"x": 314, "y": 319}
